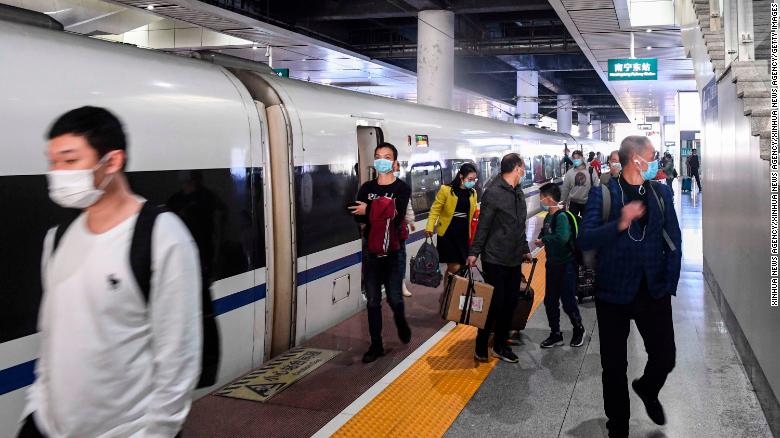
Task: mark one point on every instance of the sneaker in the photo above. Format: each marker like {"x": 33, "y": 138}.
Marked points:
{"x": 554, "y": 340}
{"x": 373, "y": 354}
{"x": 653, "y": 406}
{"x": 506, "y": 354}
{"x": 578, "y": 338}
{"x": 405, "y": 290}
{"x": 479, "y": 357}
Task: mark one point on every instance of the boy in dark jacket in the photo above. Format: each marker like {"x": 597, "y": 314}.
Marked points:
{"x": 561, "y": 274}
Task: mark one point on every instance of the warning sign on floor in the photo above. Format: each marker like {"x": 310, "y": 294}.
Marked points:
{"x": 278, "y": 374}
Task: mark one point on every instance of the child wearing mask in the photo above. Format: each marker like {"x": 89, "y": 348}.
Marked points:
{"x": 557, "y": 236}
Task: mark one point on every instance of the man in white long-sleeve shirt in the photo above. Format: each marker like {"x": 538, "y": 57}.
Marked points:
{"x": 113, "y": 363}
{"x": 577, "y": 183}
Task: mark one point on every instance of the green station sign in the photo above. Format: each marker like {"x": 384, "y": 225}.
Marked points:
{"x": 283, "y": 72}
{"x": 636, "y": 69}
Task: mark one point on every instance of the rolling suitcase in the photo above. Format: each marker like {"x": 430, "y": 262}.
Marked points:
{"x": 686, "y": 184}
{"x": 525, "y": 303}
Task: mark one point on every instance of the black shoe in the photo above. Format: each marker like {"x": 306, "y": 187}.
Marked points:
{"x": 506, "y": 354}
{"x": 373, "y": 354}
{"x": 480, "y": 357}
{"x": 578, "y": 338}
{"x": 653, "y": 406}
{"x": 554, "y": 340}
{"x": 404, "y": 332}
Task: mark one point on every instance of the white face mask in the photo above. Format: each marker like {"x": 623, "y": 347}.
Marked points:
{"x": 76, "y": 188}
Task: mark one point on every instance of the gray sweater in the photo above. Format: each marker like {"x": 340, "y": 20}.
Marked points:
{"x": 577, "y": 183}
{"x": 500, "y": 237}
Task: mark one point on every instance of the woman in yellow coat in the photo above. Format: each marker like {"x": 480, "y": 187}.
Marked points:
{"x": 452, "y": 211}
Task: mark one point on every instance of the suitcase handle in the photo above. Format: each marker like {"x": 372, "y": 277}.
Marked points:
{"x": 530, "y": 276}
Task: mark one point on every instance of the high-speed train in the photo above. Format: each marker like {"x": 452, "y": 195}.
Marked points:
{"x": 260, "y": 168}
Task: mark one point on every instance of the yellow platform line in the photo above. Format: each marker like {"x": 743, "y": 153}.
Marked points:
{"x": 427, "y": 397}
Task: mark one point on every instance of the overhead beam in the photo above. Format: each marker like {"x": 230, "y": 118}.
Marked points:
{"x": 368, "y": 9}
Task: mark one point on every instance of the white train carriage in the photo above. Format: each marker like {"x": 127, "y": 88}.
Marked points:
{"x": 260, "y": 168}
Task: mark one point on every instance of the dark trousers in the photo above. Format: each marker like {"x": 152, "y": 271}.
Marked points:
{"x": 561, "y": 285}
{"x": 576, "y": 208}
{"x": 402, "y": 260}
{"x": 695, "y": 175}
{"x": 653, "y": 318}
{"x": 30, "y": 429}
{"x": 382, "y": 271}
{"x": 506, "y": 290}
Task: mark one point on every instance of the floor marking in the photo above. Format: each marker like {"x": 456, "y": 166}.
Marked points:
{"x": 372, "y": 392}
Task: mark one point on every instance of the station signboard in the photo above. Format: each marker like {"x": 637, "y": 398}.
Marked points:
{"x": 636, "y": 69}
{"x": 283, "y": 72}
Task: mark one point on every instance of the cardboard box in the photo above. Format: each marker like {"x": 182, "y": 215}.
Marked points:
{"x": 454, "y": 298}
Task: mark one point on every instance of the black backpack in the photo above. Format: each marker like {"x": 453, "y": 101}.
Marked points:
{"x": 141, "y": 264}
{"x": 424, "y": 267}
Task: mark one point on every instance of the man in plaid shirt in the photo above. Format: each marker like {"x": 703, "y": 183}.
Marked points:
{"x": 638, "y": 269}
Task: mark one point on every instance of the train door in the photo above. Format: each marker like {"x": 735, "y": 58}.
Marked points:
{"x": 368, "y": 138}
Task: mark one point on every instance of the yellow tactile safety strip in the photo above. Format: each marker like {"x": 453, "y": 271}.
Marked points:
{"x": 427, "y": 397}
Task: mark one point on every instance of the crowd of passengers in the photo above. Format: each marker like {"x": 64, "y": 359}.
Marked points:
{"x": 123, "y": 348}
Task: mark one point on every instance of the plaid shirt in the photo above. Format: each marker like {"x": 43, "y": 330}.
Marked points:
{"x": 622, "y": 261}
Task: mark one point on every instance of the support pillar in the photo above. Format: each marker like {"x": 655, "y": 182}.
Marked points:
{"x": 595, "y": 129}
{"x": 564, "y": 113}
{"x": 435, "y": 58}
{"x": 527, "y": 107}
{"x": 583, "y": 119}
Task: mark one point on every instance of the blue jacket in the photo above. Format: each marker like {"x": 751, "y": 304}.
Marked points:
{"x": 621, "y": 261}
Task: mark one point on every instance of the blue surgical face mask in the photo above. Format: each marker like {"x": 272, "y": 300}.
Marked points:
{"x": 383, "y": 166}
{"x": 617, "y": 166}
{"x": 545, "y": 207}
{"x": 469, "y": 184}
{"x": 652, "y": 169}
{"x": 577, "y": 162}
{"x": 397, "y": 173}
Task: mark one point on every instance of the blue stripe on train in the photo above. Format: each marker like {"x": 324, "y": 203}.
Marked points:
{"x": 22, "y": 375}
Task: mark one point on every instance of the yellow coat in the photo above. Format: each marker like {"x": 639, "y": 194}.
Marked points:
{"x": 444, "y": 207}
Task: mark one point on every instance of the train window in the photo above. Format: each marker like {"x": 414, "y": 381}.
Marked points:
{"x": 528, "y": 179}
{"x": 549, "y": 166}
{"x": 454, "y": 167}
{"x": 557, "y": 166}
{"x": 426, "y": 180}
{"x": 538, "y": 166}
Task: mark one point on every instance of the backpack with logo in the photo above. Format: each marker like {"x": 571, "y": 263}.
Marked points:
{"x": 383, "y": 235}
{"x": 141, "y": 265}
{"x": 424, "y": 267}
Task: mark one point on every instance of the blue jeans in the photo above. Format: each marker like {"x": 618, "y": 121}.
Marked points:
{"x": 561, "y": 287}
{"x": 378, "y": 272}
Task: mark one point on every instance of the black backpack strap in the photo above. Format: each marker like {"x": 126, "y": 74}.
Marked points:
{"x": 141, "y": 247}
{"x": 662, "y": 206}
{"x": 61, "y": 229}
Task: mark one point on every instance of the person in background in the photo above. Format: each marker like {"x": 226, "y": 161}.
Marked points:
{"x": 639, "y": 259}
{"x": 566, "y": 161}
{"x": 693, "y": 167}
{"x": 561, "y": 274}
{"x": 500, "y": 241}
{"x": 594, "y": 162}
{"x": 614, "y": 168}
{"x": 383, "y": 270}
{"x": 577, "y": 183}
{"x": 110, "y": 363}
{"x": 453, "y": 211}
{"x": 409, "y": 224}
{"x": 668, "y": 166}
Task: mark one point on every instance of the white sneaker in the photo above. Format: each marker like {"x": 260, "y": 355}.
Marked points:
{"x": 406, "y": 292}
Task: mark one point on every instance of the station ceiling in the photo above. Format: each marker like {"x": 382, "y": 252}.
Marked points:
{"x": 494, "y": 40}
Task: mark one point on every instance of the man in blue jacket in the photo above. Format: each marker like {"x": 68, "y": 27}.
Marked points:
{"x": 638, "y": 269}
